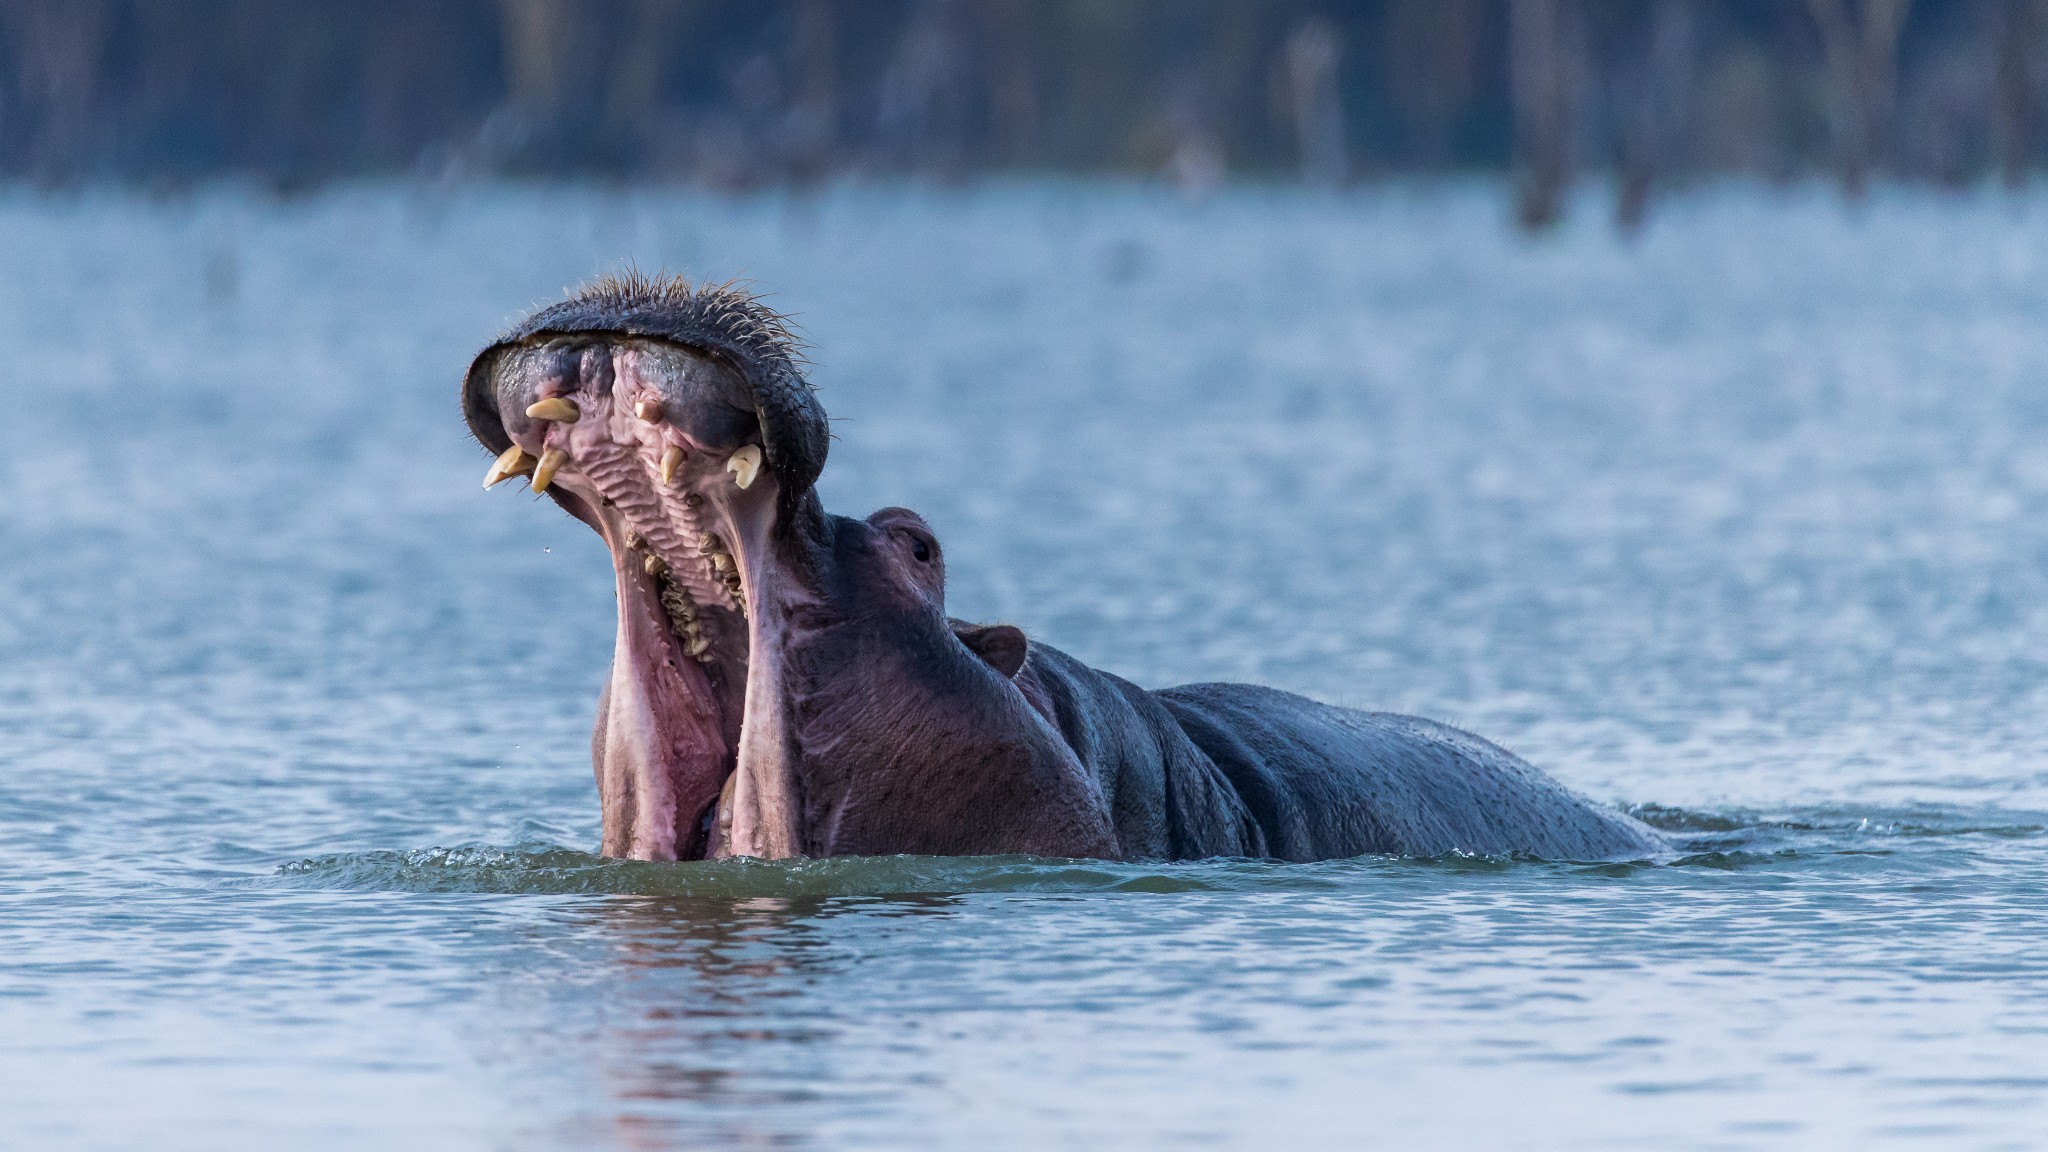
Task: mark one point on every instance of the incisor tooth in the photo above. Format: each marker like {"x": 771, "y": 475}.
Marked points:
{"x": 551, "y": 461}
{"x": 744, "y": 465}
{"x": 511, "y": 462}
{"x": 648, "y": 410}
{"x": 672, "y": 459}
{"x": 557, "y": 408}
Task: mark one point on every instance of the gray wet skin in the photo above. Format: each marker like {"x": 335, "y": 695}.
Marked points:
{"x": 787, "y": 682}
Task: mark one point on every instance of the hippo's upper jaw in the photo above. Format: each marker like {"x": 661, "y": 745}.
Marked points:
{"x": 665, "y": 420}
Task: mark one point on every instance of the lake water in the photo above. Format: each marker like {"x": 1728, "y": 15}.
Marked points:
{"x": 1744, "y": 525}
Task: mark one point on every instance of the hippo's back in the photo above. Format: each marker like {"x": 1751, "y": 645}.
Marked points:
{"x": 1325, "y": 782}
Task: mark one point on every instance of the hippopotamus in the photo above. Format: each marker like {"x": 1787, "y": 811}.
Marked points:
{"x": 787, "y": 683}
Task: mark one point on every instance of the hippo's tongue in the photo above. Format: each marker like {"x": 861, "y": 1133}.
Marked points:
{"x": 692, "y": 746}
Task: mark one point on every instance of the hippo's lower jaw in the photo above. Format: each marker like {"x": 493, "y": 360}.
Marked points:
{"x": 691, "y": 742}
{"x": 691, "y": 745}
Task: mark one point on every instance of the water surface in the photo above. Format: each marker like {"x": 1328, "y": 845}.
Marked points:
{"x": 1744, "y": 526}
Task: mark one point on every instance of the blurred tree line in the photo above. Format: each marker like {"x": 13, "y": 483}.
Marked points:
{"x": 741, "y": 93}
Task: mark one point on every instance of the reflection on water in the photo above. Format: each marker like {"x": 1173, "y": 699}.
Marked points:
{"x": 687, "y": 1058}
{"x": 1741, "y": 526}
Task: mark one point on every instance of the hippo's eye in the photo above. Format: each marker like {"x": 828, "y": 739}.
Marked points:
{"x": 921, "y": 551}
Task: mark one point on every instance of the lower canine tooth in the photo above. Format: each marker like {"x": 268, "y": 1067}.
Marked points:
{"x": 671, "y": 460}
{"x": 511, "y": 462}
{"x": 551, "y": 461}
{"x": 744, "y": 465}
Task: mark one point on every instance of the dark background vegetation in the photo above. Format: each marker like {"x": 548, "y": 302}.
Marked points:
{"x": 744, "y": 93}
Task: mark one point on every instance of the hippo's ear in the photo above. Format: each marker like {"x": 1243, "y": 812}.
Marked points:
{"x": 1001, "y": 646}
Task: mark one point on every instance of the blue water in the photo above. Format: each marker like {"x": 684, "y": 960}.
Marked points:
{"x": 1744, "y": 525}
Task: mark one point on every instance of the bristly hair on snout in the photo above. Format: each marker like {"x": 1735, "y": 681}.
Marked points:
{"x": 726, "y": 321}
{"x": 732, "y": 306}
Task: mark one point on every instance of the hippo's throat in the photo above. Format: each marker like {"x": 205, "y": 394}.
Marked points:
{"x": 692, "y": 746}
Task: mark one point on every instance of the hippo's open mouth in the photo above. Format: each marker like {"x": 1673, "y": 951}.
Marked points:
{"x": 787, "y": 682}
{"x": 665, "y": 449}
